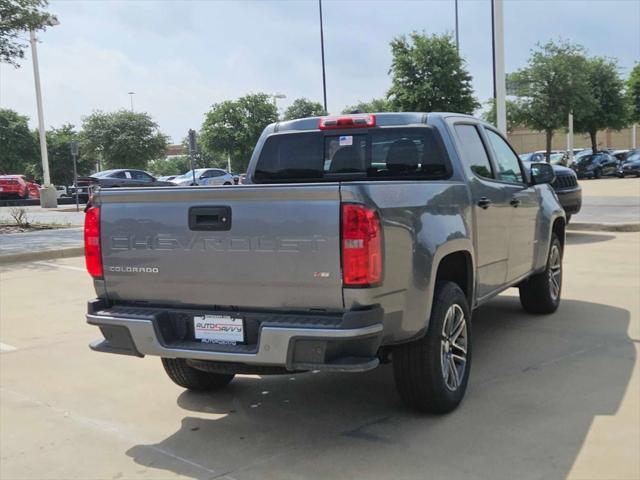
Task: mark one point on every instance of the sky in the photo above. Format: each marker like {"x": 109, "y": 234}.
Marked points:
{"x": 180, "y": 57}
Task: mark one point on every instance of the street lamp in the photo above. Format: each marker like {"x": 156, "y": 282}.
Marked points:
{"x": 131, "y": 94}
{"x": 276, "y": 96}
{"x": 48, "y": 198}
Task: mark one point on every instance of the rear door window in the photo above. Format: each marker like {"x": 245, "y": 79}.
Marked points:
{"x": 377, "y": 154}
{"x": 473, "y": 151}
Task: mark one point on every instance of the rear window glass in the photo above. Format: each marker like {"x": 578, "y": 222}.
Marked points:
{"x": 378, "y": 154}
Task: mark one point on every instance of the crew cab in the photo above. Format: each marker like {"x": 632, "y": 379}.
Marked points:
{"x": 354, "y": 240}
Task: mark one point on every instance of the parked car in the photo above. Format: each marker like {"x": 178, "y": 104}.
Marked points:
{"x": 205, "y": 176}
{"x": 631, "y": 166}
{"x": 596, "y": 165}
{"x": 557, "y": 156}
{"x": 621, "y": 155}
{"x": 61, "y": 191}
{"x": 119, "y": 177}
{"x": 357, "y": 238}
{"x": 167, "y": 178}
{"x": 17, "y": 186}
{"x": 567, "y": 189}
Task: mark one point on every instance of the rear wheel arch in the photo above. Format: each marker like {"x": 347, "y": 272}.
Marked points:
{"x": 457, "y": 267}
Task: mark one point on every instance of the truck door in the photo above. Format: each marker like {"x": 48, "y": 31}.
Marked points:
{"x": 491, "y": 211}
{"x": 524, "y": 203}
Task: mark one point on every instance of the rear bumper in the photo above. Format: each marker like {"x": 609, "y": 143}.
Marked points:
{"x": 570, "y": 199}
{"x": 299, "y": 341}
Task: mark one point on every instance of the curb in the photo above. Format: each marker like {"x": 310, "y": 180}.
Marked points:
{"x": 604, "y": 227}
{"x": 41, "y": 255}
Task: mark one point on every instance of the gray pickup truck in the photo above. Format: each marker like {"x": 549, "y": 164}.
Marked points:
{"x": 358, "y": 239}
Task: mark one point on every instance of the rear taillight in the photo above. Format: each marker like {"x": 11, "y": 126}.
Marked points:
{"x": 364, "y": 120}
{"x": 92, "y": 249}
{"x": 361, "y": 241}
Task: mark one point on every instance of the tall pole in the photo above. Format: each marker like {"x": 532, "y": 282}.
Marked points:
{"x": 324, "y": 78}
{"x": 634, "y": 136}
{"x": 457, "y": 37}
{"x": 42, "y": 133}
{"x": 498, "y": 68}
{"x": 570, "y": 138}
{"x": 131, "y": 94}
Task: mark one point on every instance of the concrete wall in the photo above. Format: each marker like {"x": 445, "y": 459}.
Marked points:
{"x": 524, "y": 140}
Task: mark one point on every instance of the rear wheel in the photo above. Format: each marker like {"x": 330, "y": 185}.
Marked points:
{"x": 431, "y": 373}
{"x": 597, "y": 173}
{"x": 193, "y": 379}
{"x": 541, "y": 292}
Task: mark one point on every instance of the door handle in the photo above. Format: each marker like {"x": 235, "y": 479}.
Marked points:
{"x": 515, "y": 203}
{"x": 210, "y": 218}
{"x": 484, "y": 203}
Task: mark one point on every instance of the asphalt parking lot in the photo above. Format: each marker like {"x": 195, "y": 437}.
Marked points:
{"x": 549, "y": 397}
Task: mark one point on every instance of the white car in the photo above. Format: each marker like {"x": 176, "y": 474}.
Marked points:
{"x": 205, "y": 176}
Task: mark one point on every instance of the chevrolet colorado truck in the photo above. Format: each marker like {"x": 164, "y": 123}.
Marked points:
{"x": 355, "y": 239}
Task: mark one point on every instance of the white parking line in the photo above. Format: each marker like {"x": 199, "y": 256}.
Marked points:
{"x": 7, "y": 348}
{"x": 57, "y": 265}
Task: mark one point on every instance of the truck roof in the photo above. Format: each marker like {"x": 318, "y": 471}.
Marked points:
{"x": 382, "y": 119}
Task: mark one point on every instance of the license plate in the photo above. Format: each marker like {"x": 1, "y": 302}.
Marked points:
{"x": 221, "y": 329}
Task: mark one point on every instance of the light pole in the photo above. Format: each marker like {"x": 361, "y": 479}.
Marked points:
{"x": 48, "y": 198}
{"x": 131, "y": 94}
{"x": 499, "y": 83}
{"x": 457, "y": 37}
{"x": 275, "y": 97}
{"x": 324, "y": 78}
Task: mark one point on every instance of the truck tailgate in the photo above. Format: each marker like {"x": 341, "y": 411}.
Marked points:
{"x": 264, "y": 246}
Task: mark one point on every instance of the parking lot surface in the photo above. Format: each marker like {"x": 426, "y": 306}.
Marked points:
{"x": 549, "y": 397}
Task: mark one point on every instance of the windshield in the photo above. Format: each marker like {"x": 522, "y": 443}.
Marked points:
{"x": 633, "y": 158}
{"x": 375, "y": 154}
{"x": 103, "y": 174}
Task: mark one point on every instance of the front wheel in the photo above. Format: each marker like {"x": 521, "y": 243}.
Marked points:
{"x": 431, "y": 373}
{"x": 193, "y": 379}
{"x": 541, "y": 292}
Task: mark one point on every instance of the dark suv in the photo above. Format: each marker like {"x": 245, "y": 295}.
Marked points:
{"x": 596, "y": 165}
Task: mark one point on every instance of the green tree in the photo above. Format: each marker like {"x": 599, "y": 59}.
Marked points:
{"x": 429, "y": 75}
{"x": 608, "y": 106}
{"x": 554, "y": 83}
{"x": 373, "y": 106}
{"x": 633, "y": 94}
{"x": 17, "y": 17}
{"x": 170, "y": 166}
{"x": 514, "y": 114}
{"x": 303, "y": 108}
{"x": 122, "y": 139}
{"x": 60, "y": 160}
{"x": 18, "y": 147}
{"x": 233, "y": 128}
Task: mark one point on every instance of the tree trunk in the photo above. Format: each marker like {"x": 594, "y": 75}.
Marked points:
{"x": 594, "y": 143}
{"x": 549, "y": 134}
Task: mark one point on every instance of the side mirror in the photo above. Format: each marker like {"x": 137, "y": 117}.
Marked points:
{"x": 542, "y": 173}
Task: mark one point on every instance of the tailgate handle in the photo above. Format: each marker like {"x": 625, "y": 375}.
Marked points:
{"x": 210, "y": 218}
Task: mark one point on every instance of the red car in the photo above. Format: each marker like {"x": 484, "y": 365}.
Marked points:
{"x": 17, "y": 186}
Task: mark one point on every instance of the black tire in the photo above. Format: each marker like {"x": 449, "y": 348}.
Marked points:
{"x": 26, "y": 194}
{"x": 419, "y": 366}
{"x": 193, "y": 379}
{"x": 597, "y": 173}
{"x": 541, "y": 293}
{"x": 227, "y": 183}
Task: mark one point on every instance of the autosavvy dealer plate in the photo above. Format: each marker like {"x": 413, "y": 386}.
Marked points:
{"x": 221, "y": 329}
